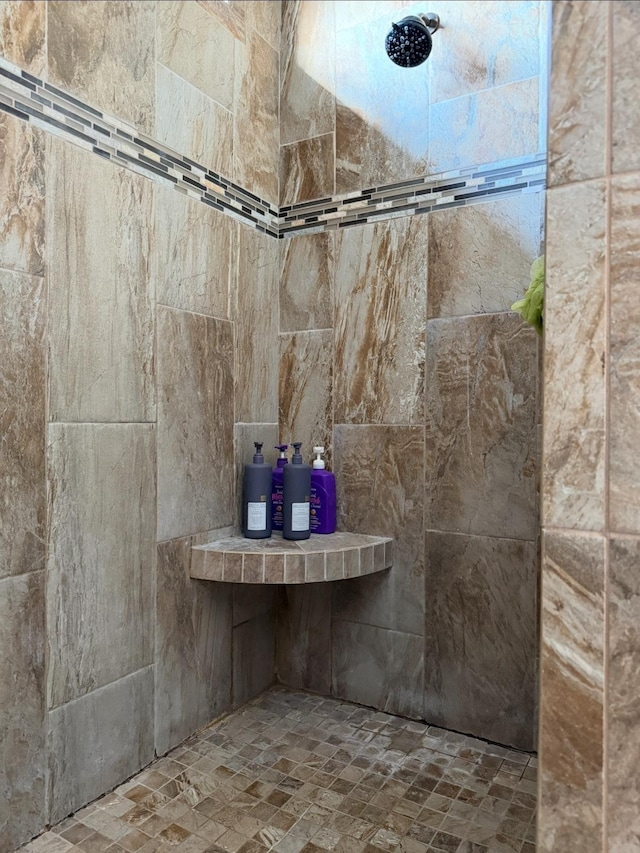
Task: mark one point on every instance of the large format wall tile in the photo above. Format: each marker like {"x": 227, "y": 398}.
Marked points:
{"x": 577, "y": 102}
{"x": 198, "y": 47}
{"x": 195, "y": 423}
{"x": 193, "y": 646}
{"x": 22, "y": 423}
{"x": 480, "y": 636}
{"x": 380, "y": 298}
{"x": 306, "y": 375}
{"x": 192, "y": 123}
{"x": 22, "y": 33}
{"x": 303, "y": 640}
{"x": 571, "y": 712}
{"x": 573, "y": 479}
{"x": 101, "y": 556}
{"x": 481, "y": 426}
{"x": 22, "y": 187}
{"x": 626, "y": 69}
{"x": 380, "y": 482}
{"x": 307, "y": 169}
{"x": 480, "y": 256}
{"x": 379, "y": 668}
{"x": 256, "y": 316}
{"x": 101, "y": 329}
{"x": 256, "y": 143}
{"x": 194, "y": 251}
{"x": 254, "y": 647}
{"x": 232, "y": 16}
{"x": 22, "y": 709}
{"x": 624, "y": 685}
{"x": 99, "y": 740}
{"x": 104, "y": 53}
{"x": 504, "y": 125}
{"x": 307, "y": 70}
{"x": 306, "y": 282}
{"x": 482, "y": 45}
{"x": 624, "y": 471}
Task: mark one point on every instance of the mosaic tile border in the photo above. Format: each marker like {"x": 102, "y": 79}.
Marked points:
{"x": 47, "y": 107}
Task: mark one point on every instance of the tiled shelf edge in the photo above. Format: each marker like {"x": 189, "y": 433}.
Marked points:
{"x": 332, "y": 557}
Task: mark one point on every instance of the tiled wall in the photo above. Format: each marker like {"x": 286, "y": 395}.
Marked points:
{"x": 399, "y": 352}
{"x": 589, "y": 791}
{"x": 129, "y": 316}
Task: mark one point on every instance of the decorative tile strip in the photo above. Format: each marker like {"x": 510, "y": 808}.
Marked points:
{"x": 55, "y": 111}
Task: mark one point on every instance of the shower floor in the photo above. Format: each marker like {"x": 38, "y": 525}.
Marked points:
{"x": 298, "y": 773}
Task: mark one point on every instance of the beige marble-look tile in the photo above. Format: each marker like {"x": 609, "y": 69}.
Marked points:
{"x": 193, "y": 647}
{"x": 256, "y": 321}
{"x": 22, "y": 711}
{"x": 481, "y": 426}
{"x": 571, "y": 721}
{"x": 22, "y": 190}
{"x": 481, "y": 46}
{"x": 231, "y": 15}
{"x": 303, "y": 640}
{"x": 265, "y": 18}
{"x": 22, "y": 33}
{"x": 194, "y": 252}
{"x": 380, "y": 668}
{"x": 480, "y": 256}
{"x": 307, "y": 169}
{"x": 305, "y": 400}
{"x": 624, "y": 401}
{"x": 22, "y": 423}
{"x": 101, "y": 324}
{"x": 623, "y": 798}
{"x": 244, "y": 438}
{"x": 480, "y": 637}
{"x": 101, "y": 555}
{"x": 192, "y": 123}
{"x": 251, "y": 600}
{"x": 195, "y": 45}
{"x": 306, "y": 282}
{"x": 573, "y": 422}
{"x": 195, "y": 423}
{"x": 104, "y": 53}
{"x": 505, "y": 125}
{"x": 380, "y": 300}
{"x": 307, "y": 70}
{"x": 254, "y": 644}
{"x": 577, "y": 101}
{"x": 98, "y": 741}
{"x": 380, "y": 485}
{"x": 626, "y": 68}
{"x": 256, "y": 142}
{"x": 382, "y": 110}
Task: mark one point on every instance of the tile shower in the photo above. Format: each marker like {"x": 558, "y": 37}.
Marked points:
{"x": 149, "y": 337}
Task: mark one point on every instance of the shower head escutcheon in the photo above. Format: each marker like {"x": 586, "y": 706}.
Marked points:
{"x": 408, "y": 43}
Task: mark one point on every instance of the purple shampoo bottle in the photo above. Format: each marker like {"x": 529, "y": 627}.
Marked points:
{"x": 277, "y": 483}
{"x": 323, "y": 496}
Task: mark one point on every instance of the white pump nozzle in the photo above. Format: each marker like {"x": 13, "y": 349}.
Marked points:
{"x": 318, "y": 462}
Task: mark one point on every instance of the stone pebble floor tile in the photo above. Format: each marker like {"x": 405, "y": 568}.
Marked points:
{"x": 297, "y": 773}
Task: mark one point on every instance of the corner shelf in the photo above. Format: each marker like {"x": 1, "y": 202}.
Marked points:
{"x": 332, "y": 557}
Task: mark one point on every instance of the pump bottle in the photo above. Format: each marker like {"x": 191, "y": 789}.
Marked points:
{"x": 277, "y": 487}
{"x": 297, "y": 492}
{"x": 256, "y": 497}
{"x": 323, "y": 496}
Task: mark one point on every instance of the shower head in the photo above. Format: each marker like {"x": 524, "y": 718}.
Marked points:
{"x": 408, "y": 43}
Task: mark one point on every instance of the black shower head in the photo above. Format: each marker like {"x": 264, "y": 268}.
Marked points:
{"x": 408, "y": 43}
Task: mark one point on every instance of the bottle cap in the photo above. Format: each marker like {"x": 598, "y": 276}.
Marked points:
{"x": 296, "y": 459}
{"x": 258, "y": 458}
{"x": 318, "y": 462}
{"x": 282, "y": 461}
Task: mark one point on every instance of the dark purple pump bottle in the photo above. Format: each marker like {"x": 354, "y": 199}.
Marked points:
{"x": 277, "y": 484}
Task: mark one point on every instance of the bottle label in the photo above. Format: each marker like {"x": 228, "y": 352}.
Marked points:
{"x": 276, "y": 503}
{"x": 256, "y": 516}
{"x": 300, "y": 516}
{"x": 314, "y": 522}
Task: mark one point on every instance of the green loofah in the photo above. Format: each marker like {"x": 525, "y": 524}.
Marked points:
{"x": 531, "y": 307}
